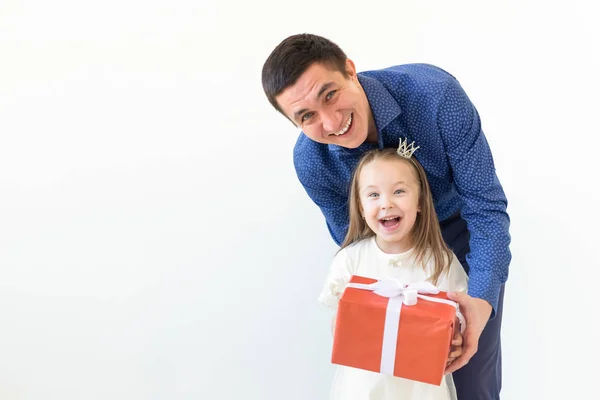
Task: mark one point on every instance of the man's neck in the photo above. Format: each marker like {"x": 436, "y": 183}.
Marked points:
{"x": 372, "y": 136}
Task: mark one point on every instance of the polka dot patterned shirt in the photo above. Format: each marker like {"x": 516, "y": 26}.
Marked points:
{"x": 427, "y": 105}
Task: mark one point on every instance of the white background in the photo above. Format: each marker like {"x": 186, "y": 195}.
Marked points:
{"x": 156, "y": 244}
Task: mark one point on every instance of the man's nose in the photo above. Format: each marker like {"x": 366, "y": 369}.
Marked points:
{"x": 331, "y": 121}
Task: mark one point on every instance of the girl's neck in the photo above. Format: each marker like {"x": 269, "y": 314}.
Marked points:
{"x": 394, "y": 247}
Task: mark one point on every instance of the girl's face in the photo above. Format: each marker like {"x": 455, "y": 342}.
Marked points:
{"x": 389, "y": 197}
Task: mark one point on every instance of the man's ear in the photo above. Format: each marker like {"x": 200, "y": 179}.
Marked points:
{"x": 350, "y": 69}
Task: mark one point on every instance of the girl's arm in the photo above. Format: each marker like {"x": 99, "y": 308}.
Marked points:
{"x": 339, "y": 275}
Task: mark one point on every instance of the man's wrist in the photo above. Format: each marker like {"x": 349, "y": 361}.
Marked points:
{"x": 489, "y": 291}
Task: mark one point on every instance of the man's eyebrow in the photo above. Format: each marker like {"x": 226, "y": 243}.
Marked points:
{"x": 322, "y": 90}
{"x": 299, "y": 113}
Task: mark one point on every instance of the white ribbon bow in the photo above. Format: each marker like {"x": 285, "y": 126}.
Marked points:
{"x": 395, "y": 288}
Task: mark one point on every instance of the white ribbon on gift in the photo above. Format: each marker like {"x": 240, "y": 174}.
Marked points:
{"x": 398, "y": 295}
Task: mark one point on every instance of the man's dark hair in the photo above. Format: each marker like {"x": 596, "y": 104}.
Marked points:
{"x": 293, "y": 56}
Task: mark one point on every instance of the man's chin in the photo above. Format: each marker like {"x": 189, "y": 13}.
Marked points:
{"x": 348, "y": 144}
{"x": 352, "y": 146}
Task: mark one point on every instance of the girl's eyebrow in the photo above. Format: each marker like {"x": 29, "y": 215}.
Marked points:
{"x": 375, "y": 187}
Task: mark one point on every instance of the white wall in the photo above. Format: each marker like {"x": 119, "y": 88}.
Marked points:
{"x": 154, "y": 240}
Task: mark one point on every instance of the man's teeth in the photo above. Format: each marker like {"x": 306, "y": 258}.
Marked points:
{"x": 345, "y": 128}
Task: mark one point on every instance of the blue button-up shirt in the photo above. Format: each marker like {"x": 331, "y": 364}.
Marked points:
{"x": 427, "y": 105}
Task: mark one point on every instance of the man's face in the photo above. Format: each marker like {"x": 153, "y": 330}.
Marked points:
{"x": 328, "y": 107}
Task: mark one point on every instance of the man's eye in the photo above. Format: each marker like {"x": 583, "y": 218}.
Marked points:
{"x": 306, "y": 116}
{"x": 330, "y": 95}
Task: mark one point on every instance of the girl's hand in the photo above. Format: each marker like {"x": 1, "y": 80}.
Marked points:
{"x": 333, "y": 324}
{"x": 456, "y": 348}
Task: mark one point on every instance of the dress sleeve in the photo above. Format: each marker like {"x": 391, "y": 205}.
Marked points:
{"x": 457, "y": 277}
{"x": 458, "y": 282}
{"x": 336, "y": 281}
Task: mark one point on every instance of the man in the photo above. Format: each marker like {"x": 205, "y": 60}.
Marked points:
{"x": 342, "y": 114}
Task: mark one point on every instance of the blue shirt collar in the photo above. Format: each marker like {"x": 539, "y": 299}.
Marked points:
{"x": 383, "y": 106}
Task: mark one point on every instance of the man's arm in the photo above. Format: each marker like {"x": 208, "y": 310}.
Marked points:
{"x": 475, "y": 179}
{"x": 333, "y": 206}
{"x": 484, "y": 210}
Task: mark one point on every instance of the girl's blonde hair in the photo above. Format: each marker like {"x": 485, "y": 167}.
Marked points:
{"x": 426, "y": 233}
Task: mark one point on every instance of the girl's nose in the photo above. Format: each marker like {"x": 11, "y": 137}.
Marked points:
{"x": 386, "y": 205}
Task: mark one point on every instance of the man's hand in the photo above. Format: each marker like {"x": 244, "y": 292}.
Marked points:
{"x": 477, "y": 313}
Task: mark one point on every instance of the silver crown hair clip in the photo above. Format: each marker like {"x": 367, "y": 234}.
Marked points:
{"x": 406, "y": 150}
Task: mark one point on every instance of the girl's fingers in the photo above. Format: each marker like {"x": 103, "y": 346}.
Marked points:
{"x": 457, "y": 341}
{"x": 455, "y": 353}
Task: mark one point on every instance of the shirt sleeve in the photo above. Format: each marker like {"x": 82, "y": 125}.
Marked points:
{"x": 333, "y": 206}
{"x": 484, "y": 201}
{"x": 338, "y": 277}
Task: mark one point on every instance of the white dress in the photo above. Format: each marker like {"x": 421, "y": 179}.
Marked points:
{"x": 366, "y": 259}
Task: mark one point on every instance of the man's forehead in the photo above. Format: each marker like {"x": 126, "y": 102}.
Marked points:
{"x": 299, "y": 91}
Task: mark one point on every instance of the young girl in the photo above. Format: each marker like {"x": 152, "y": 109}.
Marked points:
{"x": 393, "y": 234}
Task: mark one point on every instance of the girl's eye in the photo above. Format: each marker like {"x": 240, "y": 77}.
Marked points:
{"x": 373, "y": 194}
{"x": 399, "y": 191}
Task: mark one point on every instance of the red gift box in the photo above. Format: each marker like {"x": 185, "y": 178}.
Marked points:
{"x": 384, "y": 334}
